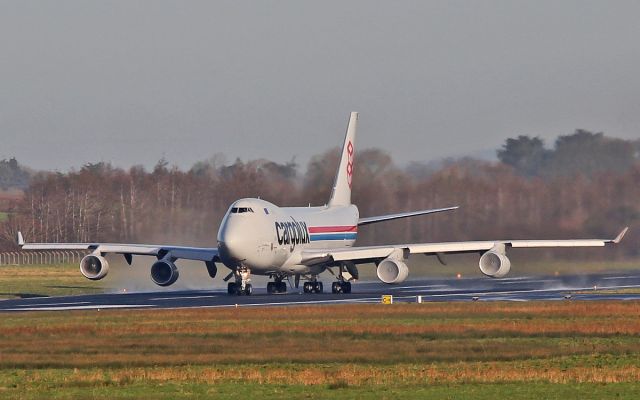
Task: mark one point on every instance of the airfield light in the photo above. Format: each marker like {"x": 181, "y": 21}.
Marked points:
{"x": 459, "y": 275}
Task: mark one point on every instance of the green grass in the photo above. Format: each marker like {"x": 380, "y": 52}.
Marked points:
{"x": 18, "y": 281}
{"x": 550, "y": 350}
{"x": 238, "y": 390}
{"x": 3, "y": 216}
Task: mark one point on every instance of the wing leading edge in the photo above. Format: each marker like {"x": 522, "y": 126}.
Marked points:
{"x": 370, "y": 253}
{"x": 176, "y": 252}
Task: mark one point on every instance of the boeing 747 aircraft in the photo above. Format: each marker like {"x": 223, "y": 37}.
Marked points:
{"x": 294, "y": 243}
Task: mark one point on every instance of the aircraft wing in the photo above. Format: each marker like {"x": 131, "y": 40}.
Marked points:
{"x": 390, "y": 217}
{"x": 373, "y": 253}
{"x": 206, "y": 254}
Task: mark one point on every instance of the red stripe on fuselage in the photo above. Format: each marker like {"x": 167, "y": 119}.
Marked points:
{"x": 327, "y": 229}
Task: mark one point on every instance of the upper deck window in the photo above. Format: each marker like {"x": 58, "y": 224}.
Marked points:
{"x": 241, "y": 210}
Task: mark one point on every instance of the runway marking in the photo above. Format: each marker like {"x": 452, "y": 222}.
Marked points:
{"x": 287, "y": 303}
{"x": 531, "y": 281}
{"x": 91, "y": 307}
{"x": 183, "y": 297}
{"x": 52, "y": 304}
{"x": 415, "y": 287}
{"x": 621, "y": 277}
{"x": 535, "y": 290}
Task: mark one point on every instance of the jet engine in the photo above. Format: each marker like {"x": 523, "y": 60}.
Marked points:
{"x": 164, "y": 273}
{"x": 494, "y": 264}
{"x": 391, "y": 270}
{"x": 94, "y": 267}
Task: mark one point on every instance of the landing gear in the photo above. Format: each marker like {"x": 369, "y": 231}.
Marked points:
{"x": 234, "y": 289}
{"x": 312, "y": 287}
{"x": 276, "y": 287}
{"x": 241, "y": 286}
{"x": 341, "y": 287}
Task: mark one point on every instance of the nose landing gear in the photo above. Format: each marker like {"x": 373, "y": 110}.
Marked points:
{"x": 241, "y": 286}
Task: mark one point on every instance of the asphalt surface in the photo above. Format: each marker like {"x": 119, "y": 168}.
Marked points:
{"x": 563, "y": 288}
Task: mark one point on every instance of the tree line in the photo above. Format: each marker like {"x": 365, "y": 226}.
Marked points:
{"x": 587, "y": 185}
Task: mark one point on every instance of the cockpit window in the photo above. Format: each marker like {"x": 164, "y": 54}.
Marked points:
{"x": 241, "y": 210}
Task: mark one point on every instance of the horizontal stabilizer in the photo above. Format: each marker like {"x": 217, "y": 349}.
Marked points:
{"x": 389, "y": 217}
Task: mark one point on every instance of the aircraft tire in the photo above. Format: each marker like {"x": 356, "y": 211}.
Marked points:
{"x": 231, "y": 288}
{"x": 271, "y": 287}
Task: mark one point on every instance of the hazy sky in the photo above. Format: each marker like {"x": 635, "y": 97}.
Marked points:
{"x": 130, "y": 81}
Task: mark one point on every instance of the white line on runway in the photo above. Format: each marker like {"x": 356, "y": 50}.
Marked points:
{"x": 91, "y": 307}
{"x": 291, "y": 303}
{"x": 182, "y": 297}
{"x": 52, "y": 304}
{"x": 415, "y": 287}
{"x": 621, "y": 277}
{"x": 535, "y": 290}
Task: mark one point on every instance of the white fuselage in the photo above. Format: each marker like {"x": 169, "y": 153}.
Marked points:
{"x": 268, "y": 239}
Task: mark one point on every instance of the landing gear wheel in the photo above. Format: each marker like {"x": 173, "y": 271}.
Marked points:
{"x": 317, "y": 287}
{"x": 248, "y": 289}
{"x": 281, "y": 287}
{"x": 341, "y": 287}
{"x": 271, "y": 287}
{"x": 232, "y": 288}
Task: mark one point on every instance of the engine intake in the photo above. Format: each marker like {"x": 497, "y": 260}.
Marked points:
{"x": 391, "y": 270}
{"x": 495, "y": 265}
{"x": 94, "y": 267}
{"x": 164, "y": 273}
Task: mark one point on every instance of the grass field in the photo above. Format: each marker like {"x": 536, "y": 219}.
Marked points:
{"x": 586, "y": 350}
{"x": 3, "y": 216}
{"x": 44, "y": 280}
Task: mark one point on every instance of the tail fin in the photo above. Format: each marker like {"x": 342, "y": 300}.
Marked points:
{"x": 341, "y": 194}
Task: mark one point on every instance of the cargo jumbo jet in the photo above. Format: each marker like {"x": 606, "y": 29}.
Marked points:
{"x": 294, "y": 243}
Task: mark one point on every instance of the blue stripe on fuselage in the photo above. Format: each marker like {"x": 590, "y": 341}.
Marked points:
{"x": 333, "y": 236}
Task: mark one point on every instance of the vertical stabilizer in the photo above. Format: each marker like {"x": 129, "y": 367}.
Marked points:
{"x": 341, "y": 194}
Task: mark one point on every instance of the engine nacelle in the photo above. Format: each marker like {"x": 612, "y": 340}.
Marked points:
{"x": 164, "y": 273}
{"x": 391, "y": 270}
{"x": 495, "y": 265}
{"x": 94, "y": 267}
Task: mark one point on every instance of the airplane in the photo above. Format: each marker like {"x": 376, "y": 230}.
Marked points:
{"x": 258, "y": 237}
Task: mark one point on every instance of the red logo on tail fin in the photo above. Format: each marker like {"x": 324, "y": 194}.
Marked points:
{"x": 350, "y": 163}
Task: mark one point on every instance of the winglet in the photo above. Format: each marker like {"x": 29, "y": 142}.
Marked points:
{"x": 20, "y": 239}
{"x": 618, "y": 238}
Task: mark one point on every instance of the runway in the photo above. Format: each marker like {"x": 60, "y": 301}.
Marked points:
{"x": 536, "y": 288}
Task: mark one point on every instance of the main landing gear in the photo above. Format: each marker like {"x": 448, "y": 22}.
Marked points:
{"x": 341, "y": 287}
{"x": 241, "y": 286}
{"x": 276, "y": 287}
{"x": 312, "y": 287}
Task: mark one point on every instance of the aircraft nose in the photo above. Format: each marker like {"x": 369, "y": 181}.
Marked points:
{"x": 232, "y": 242}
